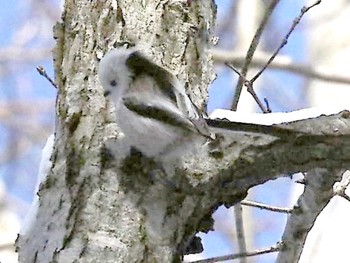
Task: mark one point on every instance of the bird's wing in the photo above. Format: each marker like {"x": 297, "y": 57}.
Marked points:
{"x": 140, "y": 65}
{"x": 171, "y": 87}
{"x": 159, "y": 110}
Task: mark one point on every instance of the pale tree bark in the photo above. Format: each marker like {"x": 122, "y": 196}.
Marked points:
{"x": 88, "y": 212}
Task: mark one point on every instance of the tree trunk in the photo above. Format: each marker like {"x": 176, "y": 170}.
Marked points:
{"x": 88, "y": 210}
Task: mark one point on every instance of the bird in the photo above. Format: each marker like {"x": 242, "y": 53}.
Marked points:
{"x": 152, "y": 108}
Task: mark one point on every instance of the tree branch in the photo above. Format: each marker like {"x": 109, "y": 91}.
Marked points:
{"x": 279, "y": 63}
{"x": 317, "y": 194}
{"x": 272, "y": 249}
{"x": 251, "y": 51}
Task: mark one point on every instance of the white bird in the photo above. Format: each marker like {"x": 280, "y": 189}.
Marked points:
{"x": 152, "y": 108}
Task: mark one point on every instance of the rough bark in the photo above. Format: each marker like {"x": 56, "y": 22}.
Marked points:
{"x": 86, "y": 213}
{"x": 317, "y": 194}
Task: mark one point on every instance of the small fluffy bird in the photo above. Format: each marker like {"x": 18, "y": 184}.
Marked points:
{"x": 152, "y": 108}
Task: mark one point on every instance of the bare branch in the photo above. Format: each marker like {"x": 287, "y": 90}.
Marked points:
{"x": 285, "y": 39}
{"x": 266, "y": 207}
{"x": 43, "y": 73}
{"x": 317, "y": 194}
{"x": 279, "y": 63}
{"x": 250, "y": 89}
{"x": 272, "y": 249}
{"x": 250, "y": 53}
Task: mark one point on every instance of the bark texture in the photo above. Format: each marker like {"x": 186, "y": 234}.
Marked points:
{"x": 90, "y": 212}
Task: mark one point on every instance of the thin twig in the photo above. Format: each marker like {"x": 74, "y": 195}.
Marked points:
{"x": 267, "y": 207}
{"x": 280, "y": 63}
{"x": 285, "y": 39}
{"x": 272, "y": 249}
{"x": 250, "y": 53}
{"x": 43, "y": 73}
{"x": 267, "y": 105}
{"x": 250, "y": 88}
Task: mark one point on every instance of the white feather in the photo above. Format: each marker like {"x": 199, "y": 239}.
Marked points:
{"x": 153, "y": 135}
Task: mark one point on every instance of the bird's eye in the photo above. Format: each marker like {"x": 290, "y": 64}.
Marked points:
{"x": 113, "y": 83}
